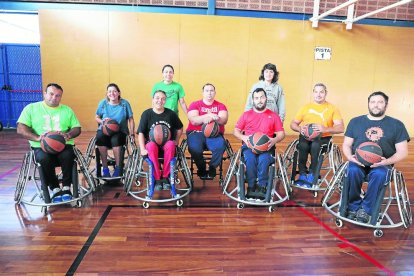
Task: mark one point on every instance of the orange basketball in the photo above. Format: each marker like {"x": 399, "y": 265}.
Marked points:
{"x": 309, "y": 133}
{"x": 110, "y": 127}
{"x": 53, "y": 143}
{"x": 160, "y": 134}
{"x": 368, "y": 153}
{"x": 211, "y": 129}
{"x": 259, "y": 142}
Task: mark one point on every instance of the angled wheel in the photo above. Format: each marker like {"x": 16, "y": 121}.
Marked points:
{"x": 378, "y": 233}
{"x": 22, "y": 178}
{"x": 403, "y": 201}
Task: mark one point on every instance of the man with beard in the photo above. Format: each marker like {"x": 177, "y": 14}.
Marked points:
{"x": 391, "y": 135}
{"x": 258, "y": 119}
{"x": 327, "y": 120}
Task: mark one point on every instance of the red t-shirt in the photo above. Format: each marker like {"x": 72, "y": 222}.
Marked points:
{"x": 267, "y": 122}
{"x": 203, "y": 108}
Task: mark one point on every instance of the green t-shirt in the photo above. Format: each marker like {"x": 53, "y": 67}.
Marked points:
{"x": 174, "y": 91}
{"x": 42, "y": 118}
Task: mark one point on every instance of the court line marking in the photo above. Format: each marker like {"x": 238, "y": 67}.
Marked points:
{"x": 9, "y": 172}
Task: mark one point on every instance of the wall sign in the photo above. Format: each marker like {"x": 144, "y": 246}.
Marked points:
{"x": 323, "y": 53}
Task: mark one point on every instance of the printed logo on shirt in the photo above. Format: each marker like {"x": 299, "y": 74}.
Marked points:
{"x": 213, "y": 109}
{"x": 320, "y": 114}
{"x": 374, "y": 134}
{"x": 161, "y": 123}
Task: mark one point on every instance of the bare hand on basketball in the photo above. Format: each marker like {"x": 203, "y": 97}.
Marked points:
{"x": 383, "y": 162}
{"x": 355, "y": 160}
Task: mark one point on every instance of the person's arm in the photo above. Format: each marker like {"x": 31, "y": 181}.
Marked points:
{"x": 141, "y": 142}
{"x": 183, "y": 105}
{"x": 239, "y": 135}
{"x": 400, "y": 154}
{"x": 347, "y": 150}
{"x": 72, "y": 133}
{"x": 280, "y": 135}
{"x": 131, "y": 127}
{"x": 281, "y": 105}
{"x": 223, "y": 117}
{"x": 178, "y": 136}
{"x": 294, "y": 125}
{"x": 27, "y": 132}
{"x": 196, "y": 119}
{"x": 337, "y": 128}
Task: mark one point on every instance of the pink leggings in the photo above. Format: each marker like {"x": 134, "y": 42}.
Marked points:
{"x": 169, "y": 152}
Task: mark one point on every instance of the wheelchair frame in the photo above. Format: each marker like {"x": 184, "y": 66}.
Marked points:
{"x": 92, "y": 152}
{"x": 236, "y": 169}
{"x": 30, "y": 170}
{"x": 207, "y": 156}
{"x": 395, "y": 190}
{"x": 329, "y": 151}
{"x": 134, "y": 172}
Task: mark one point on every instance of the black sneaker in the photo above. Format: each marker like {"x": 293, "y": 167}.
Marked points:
{"x": 212, "y": 172}
{"x": 202, "y": 174}
{"x": 166, "y": 183}
{"x": 249, "y": 194}
{"x": 362, "y": 216}
{"x": 158, "y": 185}
{"x": 261, "y": 195}
{"x": 351, "y": 215}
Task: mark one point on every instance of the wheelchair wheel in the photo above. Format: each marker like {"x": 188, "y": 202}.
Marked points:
{"x": 240, "y": 205}
{"x": 339, "y": 223}
{"x": 145, "y": 204}
{"x": 403, "y": 201}
{"x": 179, "y": 202}
{"x": 22, "y": 178}
{"x": 1, "y": 126}
{"x": 335, "y": 183}
{"x": 378, "y": 233}
{"x": 44, "y": 210}
{"x": 271, "y": 209}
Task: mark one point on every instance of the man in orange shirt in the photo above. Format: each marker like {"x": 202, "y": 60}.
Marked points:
{"x": 326, "y": 119}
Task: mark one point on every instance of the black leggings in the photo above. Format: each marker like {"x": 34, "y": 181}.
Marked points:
{"x": 116, "y": 140}
{"x": 313, "y": 147}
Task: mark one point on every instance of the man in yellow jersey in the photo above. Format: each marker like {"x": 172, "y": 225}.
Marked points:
{"x": 326, "y": 119}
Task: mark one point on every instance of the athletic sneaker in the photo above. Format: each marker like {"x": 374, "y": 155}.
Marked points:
{"x": 105, "y": 172}
{"x": 158, "y": 185}
{"x": 117, "y": 172}
{"x": 66, "y": 194}
{"x": 362, "y": 216}
{"x": 249, "y": 194}
{"x": 261, "y": 195}
{"x": 57, "y": 195}
{"x": 212, "y": 172}
{"x": 351, "y": 215}
{"x": 310, "y": 178}
{"x": 302, "y": 177}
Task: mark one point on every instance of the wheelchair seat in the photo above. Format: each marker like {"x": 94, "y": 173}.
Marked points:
{"x": 392, "y": 209}
{"x": 30, "y": 172}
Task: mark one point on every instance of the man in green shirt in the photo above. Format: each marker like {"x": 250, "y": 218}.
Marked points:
{"x": 48, "y": 115}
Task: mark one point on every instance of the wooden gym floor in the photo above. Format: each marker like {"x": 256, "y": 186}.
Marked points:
{"x": 112, "y": 234}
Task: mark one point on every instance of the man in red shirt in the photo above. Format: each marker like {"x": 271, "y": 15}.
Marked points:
{"x": 258, "y": 119}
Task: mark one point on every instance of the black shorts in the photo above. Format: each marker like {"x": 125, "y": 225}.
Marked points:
{"x": 116, "y": 140}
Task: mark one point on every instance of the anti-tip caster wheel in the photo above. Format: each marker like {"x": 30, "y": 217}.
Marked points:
{"x": 240, "y": 205}
{"x": 180, "y": 202}
{"x": 44, "y": 210}
{"x": 339, "y": 223}
{"x": 378, "y": 233}
{"x": 78, "y": 203}
{"x": 145, "y": 205}
{"x": 177, "y": 181}
{"x": 271, "y": 209}
{"x": 315, "y": 194}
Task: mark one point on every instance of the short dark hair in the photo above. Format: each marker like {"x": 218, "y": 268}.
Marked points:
{"x": 55, "y": 85}
{"x": 322, "y": 85}
{"x": 209, "y": 84}
{"x": 165, "y": 66}
{"x": 117, "y": 89}
{"x": 257, "y": 90}
{"x": 270, "y": 66}
{"x": 159, "y": 91}
{"x": 379, "y": 93}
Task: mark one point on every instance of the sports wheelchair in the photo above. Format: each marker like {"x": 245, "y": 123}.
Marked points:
{"x": 30, "y": 172}
{"x": 139, "y": 169}
{"x": 391, "y": 210}
{"x": 92, "y": 153}
{"x": 207, "y": 157}
{"x": 276, "y": 189}
{"x": 330, "y": 157}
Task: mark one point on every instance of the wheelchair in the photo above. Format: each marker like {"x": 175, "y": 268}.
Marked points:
{"x": 30, "y": 172}
{"x": 276, "y": 190}
{"x": 92, "y": 153}
{"x": 139, "y": 169}
{"x": 330, "y": 157}
{"x": 207, "y": 157}
{"x": 391, "y": 210}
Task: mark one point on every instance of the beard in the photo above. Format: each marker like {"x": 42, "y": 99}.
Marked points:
{"x": 259, "y": 108}
{"x": 378, "y": 114}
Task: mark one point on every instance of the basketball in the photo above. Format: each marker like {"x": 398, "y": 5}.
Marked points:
{"x": 160, "y": 134}
{"x": 110, "y": 127}
{"x": 309, "y": 133}
{"x": 53, "y": 143}
{"x": 368, "y": 153}
{"x": 259, "y": 142}
{"x": 211, "y": 129}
